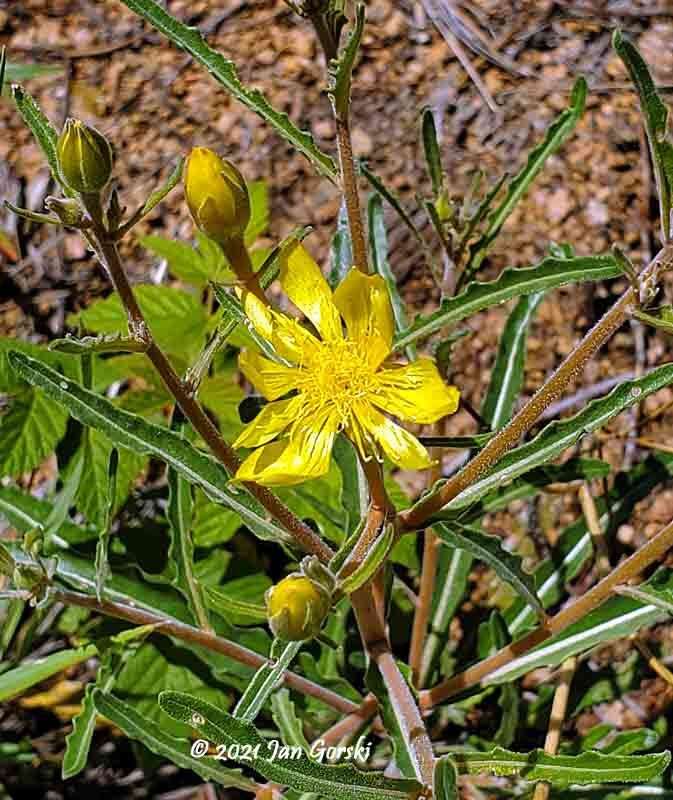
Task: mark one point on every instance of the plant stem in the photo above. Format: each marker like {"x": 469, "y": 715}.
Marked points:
{"x": 424, "y": 608}
{"x": 108, "y": 254}
{"x": 634, "y": 565}
{"x": 352, "y": 723}
{"x": 188, "y": 633}
{"x": 239, "y": 258}
{"x": 415, "y": 517}
{"x": 349, "y": 187}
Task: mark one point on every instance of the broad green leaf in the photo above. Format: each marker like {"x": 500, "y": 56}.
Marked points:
{"x": 508, "y": 371}
{"x": 17, "y": 680}
{"x": 489, "y": 549}
{"x": 343, "y": 782}
{"x": 378, "y": 244}
{"x": 655, "y": 116}
{"x": 192, "y": 265}
{"x": 213, "y": 524}
{"x": 40, "y": 127}
{"x": 29, "y": 432}
{"x": 341, "y": 69}
{"x": 320, "y": 500}
{"x": 265, "y": 680}
{"x": 92, "y": 498}
{"x": 618, "y": 617}
{"x": 556, "y": 134}
{"x": 445, "y": 779}
{"x": 134, "y": 433}
{"x": 453, "y": 569}
{"x": 550, "y": 273}
{"x": 562, "y": 770}
{"x": 181, "y": 553}
{"x": 176, "y": 319}
{"x": 558, "y": 436}
{"x": 159, "y": 741}
{"x": 224, "y": 72}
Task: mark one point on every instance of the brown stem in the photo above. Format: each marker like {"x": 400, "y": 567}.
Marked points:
{"x": 107, "y": 252}
{"x": 415, "y": 517}
{"x": 637, "y": 563}
{"x": 423, "y": 610}
{"x": 351, "y": 724}
{"x": 188, "y": 633}
{"x": 350, "y": 190}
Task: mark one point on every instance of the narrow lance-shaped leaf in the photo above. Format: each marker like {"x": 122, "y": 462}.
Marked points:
{"x": 561, "y": 770}
{"x": 224, "y": 72}
{"x": 288, "y": 723}
{"x": 341, "y": 69}
{"x": 265, "y": 680}
{"x": 508, "y": 371}
{"x": 655, "y": 115}
{"x": 17, "y": 680}
{"x": 344, "y": 782}
{"x": 551, "y": 273}
{"x": 557, "y": 133}
{"x": 558, "y": 436}
{"x": 139, "y": 727}
{"x": 102, "y": 564}
{"x": 245, "y": 613}
{"x": 489, "y": 549}
{"x": 40, "y": 127}
{"x": 134, "y": 433}
{"x": 431, "y": 149}
{"x": 371, "y": 563}
{"x": 341, "y": 250}
{"x": 445, "y": 779}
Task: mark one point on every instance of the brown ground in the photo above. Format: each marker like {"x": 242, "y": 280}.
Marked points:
{"x": 154, "y": 104}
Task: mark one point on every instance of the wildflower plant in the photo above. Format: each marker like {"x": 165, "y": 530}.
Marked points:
{"x": 301, "y": 470}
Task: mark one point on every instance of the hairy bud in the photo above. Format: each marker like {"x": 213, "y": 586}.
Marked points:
{"x": 296, "y": 608}
{"x": 84, "y": 157}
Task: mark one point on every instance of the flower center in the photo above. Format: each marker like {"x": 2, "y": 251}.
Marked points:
{"x": 338, "y": 376}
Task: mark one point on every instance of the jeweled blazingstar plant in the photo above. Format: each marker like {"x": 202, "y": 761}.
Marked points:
{"x": 335, "y": 380}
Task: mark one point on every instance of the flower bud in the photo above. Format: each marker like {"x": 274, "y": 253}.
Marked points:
{"x": 297, "y": 607}
{"x": 217, "y": 196}
{"x": 67, "y": 209}
{"x": 84, "y": 157}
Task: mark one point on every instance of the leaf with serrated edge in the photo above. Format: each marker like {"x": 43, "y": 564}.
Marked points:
{"x": 344, "y": 782}
{"x": 134, "y": 433}
{"x": 264, "y": 681}
{"x": 550, "y": 273}
{"x": 224, "y": 72}
{"x": 489, "y": 549}
{"x": 137, "y": 726}
{"x": 561, "y": 770}
{"x": 41, "y": 128}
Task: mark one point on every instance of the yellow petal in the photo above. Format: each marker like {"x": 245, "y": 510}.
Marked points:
{"x": 271, "y": 420}
{"x": 416, "y": 392}
{"x": 290, "y": 339}
{"x": 364, "y": 303}
{"x": 401, "y": 447}
{"x": 271, "y": 379}
{"x": 306, "y": 286}
{"x": 304, "y": 454}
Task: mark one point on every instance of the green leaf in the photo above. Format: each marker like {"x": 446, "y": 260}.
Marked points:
{"x": 445, "y": 779}
{"x": 189, "y": 264}
{"x": 156, "y": 197}
{"x": 378, "y": 242}
{"x": 628, "y": 742}
{"x": 16, "y": 73}
{"x": 550, "y": 273}
{"x": 17, "y": 680}
{"x": 181, "y": 553}
{"x": 154, "y": 736}
{"x": 558, "y": 436}
{"x": 371, "y": 563}
{"x": 655, "y": 115}
{"x": 240, "y": 612}
{"x": 176, "y": 319}
{"x": 40, "y": 127}
{"x": 30, "y": 431}
{"x": 341, "y": 250}
{"x": 224, "y": 72}
{"x": 130, "y": 431}
{"x": 342, "y": 782}
{"x": 508, "y": 371}
{"x": 259, "y": 211}
{"x": 556, "y": 134}
{"x": 101, "y": 563}
{"x": 265, "y": 680}
{"x": 561, "y": 770}
{"x": 489, "y": 549}
{"x": 341, "y": 69}
{"x": 431, "y": 149}
{"x": 289, "y": 724}
{"x": 114, "y": 343}
{"x": 213, "y": 524}
{"x": 616, "y": 618}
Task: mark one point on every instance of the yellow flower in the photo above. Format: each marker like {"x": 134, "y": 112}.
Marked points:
{"x": 217, "y": 195}
{"x": 339, "y": 382}
{"x": 296, "y": 608}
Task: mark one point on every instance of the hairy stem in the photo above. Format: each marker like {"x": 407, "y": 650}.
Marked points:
{"x": 188, "y": 633}
{"x": 638, "y": 562}
{"x": 415, "y": 517}
{"x": 423, "y": 610}
{"x": 350, "y": 190}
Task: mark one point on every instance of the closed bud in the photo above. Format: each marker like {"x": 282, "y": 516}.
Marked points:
{"x": 84, "y": 157}
{"x": 68, "y": 210}
{"x": 217, "y": 196}
{"x": 296, "y": 608}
